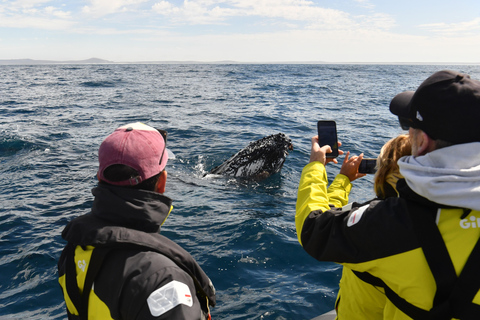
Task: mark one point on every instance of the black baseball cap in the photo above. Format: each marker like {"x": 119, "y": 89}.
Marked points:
{"x": 445, "y": 106}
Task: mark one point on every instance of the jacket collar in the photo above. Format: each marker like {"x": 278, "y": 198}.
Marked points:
{"x": 408, "y": 194}
{"x": 132, "y": 208}
{"x": 448, "y": 176}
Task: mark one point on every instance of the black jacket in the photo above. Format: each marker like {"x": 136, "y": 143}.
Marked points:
{"x": 138, "y": 267}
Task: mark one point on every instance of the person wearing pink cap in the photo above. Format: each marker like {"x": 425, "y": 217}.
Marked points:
{"x": 421, "y": 248}
{"x": 116, "y": 265}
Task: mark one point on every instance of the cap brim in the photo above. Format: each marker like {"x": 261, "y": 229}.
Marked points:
{"x": 400, "y": 104}
{"x": 171, "y": 155}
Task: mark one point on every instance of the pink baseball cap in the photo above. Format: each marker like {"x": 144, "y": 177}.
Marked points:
{"x": 136, "y": 145}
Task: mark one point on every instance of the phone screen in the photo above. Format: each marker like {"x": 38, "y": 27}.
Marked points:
{"x": 368, "y": 165}
{"x": 327, "y": 134}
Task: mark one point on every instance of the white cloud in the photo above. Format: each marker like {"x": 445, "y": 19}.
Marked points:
{"x": 292, "y": 13}
{"x": 57, "y": 13}
{"x": 114, "y": 31}
{"x": 28, "y": 3}
{"x": 98, "y": 8}
{"x": 31, "y": 14}
{"x": 460, "y": 29}
{"x": 378, "y": 21}
{"x": 193, "y": 12}
{"x": 165, "y": 8}
{"x": 205, "y": 12}
{"x": 311, "y": 45}
{"x": 40, "y": 23}
{"x": 277, "y": 30}
{"x": 365, "y": 3}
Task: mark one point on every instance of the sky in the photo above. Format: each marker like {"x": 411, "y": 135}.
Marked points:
{"x": 334, "y": 31}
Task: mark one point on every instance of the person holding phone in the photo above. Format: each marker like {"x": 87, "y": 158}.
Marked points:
{"x": 357, "y": 299}
{"x": 422, "y": 247}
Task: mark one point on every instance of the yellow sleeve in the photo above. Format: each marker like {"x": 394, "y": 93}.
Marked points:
{"x": 313, "y": 193}
{"x": 339, "y": 190}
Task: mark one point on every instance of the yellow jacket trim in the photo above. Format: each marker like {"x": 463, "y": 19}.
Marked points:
{"x": 97, "y": 309}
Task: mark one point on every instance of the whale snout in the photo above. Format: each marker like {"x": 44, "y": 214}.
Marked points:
{"x": 259, "y": 159}
{"x": 287, "y": 141}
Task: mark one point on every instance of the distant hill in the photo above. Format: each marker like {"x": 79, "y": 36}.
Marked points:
{"x": 31, "y": 61}
{"x": 102, "y": 61}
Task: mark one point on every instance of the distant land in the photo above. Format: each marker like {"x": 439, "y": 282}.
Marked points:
{"x": 103, "y": 61}
{"x": 32, "y": 61}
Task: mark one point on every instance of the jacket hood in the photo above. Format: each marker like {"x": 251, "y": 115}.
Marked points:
{"x": 132, "y": 208}
{"x": 448, "y": 176}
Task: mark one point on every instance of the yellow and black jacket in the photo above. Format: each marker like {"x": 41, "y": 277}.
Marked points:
{"x": 414, "y": 249}
{"x": 117, "y": 266}
{"x": 356, "y": 299}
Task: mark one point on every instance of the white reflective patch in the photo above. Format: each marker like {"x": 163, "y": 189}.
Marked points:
{"x": 356, "y": 215}
{"x": 82, "y": 265}
{"x": 419, "y": 116}
{"x": 168, "y": 297}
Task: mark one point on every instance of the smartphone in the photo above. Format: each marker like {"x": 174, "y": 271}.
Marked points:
{"x": 368, "y": 165}
{"x": 327, "y": 134}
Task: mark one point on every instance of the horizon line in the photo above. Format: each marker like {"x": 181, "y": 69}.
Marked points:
{"x": 28, "y": 61}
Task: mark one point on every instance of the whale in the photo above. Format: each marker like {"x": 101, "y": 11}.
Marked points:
{"x": 259, "y": 160}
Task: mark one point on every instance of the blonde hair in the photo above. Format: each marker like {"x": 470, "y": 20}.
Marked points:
{"x": 388, "y": 172}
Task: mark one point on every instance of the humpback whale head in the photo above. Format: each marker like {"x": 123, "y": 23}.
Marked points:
{"x": 260, "y": 159}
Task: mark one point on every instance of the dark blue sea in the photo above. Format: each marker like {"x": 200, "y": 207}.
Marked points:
{"x": 54, "y": 117}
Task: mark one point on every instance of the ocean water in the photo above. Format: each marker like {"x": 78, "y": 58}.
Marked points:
{"x": 242, "y": 233}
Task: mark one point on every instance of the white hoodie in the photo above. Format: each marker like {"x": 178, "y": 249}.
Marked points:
{"x": 448, "y": 176}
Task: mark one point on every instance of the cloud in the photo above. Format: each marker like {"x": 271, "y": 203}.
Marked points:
{"x": 195, "y": 12}
{"x": 98, "y": 8}
{"x": 263, "y": 14}
{"x": 460, "y": 29}
{"x": 300, "y": 11}
{"x": 31, "y": 14}
{"x": 283, "y": 14}
{"x": 18, "y": 21}
{"x": 116, "y": 32}
{"x": 309, "y": 45}
{"x": 28, "y": 3}
{"x": 365, "y": 4}
{"x": 58, "y": 13}
{"x": 378, "y": 21}
{"x": 165, "y": 8}
{"x": 242, "y": 30}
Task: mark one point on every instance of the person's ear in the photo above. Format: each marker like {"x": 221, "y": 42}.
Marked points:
{"x": 425, "y": 143}
{"x": 162, "y": 182}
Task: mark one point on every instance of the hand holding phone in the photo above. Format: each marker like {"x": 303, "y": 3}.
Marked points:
{"x": 368, "y": 165}
{"x": 327, "y": 135}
